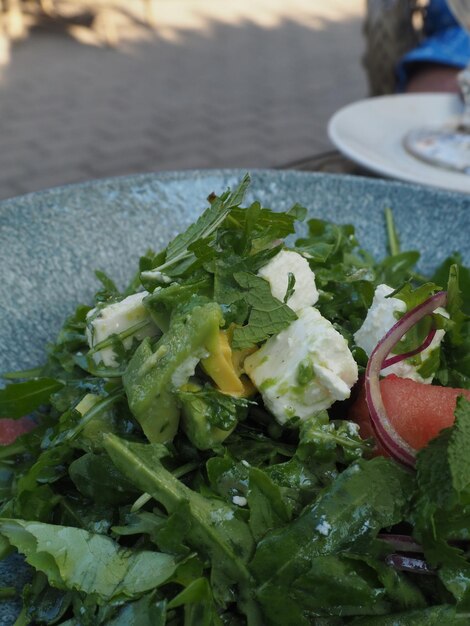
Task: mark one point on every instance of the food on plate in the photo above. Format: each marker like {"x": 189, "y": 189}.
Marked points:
{"x": 417, "y": 411}
{"x": 263, "y": 429}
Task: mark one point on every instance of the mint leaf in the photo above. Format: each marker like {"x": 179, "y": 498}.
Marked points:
{"x": 256, "y": 228}
{"x": 443, "y": 477}
{"x": 443, "y": 467}
{"x": 459, "y": 446}
{"x": 268, "y": 316}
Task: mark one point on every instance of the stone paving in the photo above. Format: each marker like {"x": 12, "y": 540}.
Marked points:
{"x": 216, "y": 83}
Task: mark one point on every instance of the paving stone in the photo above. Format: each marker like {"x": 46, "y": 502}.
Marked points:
{"x": 243, "y": 83}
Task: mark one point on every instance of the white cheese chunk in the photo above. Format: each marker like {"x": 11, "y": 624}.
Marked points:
{"x": 382, "y": 315}
{"x": 277, "y": 271}
{"x": 304, "y": 369}
{"x": 117, "y": 318}
{"x": 183, "y": 372}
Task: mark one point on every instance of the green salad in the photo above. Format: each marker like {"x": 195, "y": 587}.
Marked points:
{"x": 262, "y": 429}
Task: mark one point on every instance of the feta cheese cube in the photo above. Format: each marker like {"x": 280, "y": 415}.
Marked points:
{"x": 304, "y": 369}
{"x": 277, "y": 271}
{"x": 117, "y": 318}
{"x": 384, "y": 312}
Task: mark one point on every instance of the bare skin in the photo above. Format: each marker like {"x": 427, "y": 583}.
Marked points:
{"x": 431, "y": 77}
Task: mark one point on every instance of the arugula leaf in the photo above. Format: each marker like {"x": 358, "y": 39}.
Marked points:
{"x": 71, "y": 338}
{"x": 268, "y": 510}
{"x": 301, "y": 481}
{"x": 199, "y": 605}
{"x": 326, "y": 240}
{"x": 395, "y": 270}
{"x": 75, "y": 559}
{"x": 227, "y": 477}
{"x": 19, "y": 399}
{"x": 455, "y": 350}
{"x": 333, "y": 585}
{"x": 393, "y": 239}
{"x": 324, "y": 439}
{"x": 109, "y": 291}
{"x": 170, "y": 536}
{"x": 290, "y": 286}
{"x": 79, "y": 512}
{"x": 163, "y": 301}
{"x": 344, "y": 274}
{"x": 97, "y": 478}
{"x": 441, "y": 277}
{"x": 432, "y": 616}
{"x": 215, "y": 529}
{"x": 33, "y": 498}
{"x": 268, "y": 316}
{"x": 148, "y": 611}
{"x": 73, "y": 423}
{"x": 366, "y": 497}
{"x": 455, "y": 305}
{"x": 179, "y": 258}
{"x": 412, "y": 297}
{"x": 34, "y": 372}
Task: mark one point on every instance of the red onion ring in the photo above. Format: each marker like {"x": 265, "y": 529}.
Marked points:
{"x": 401, "y": 543}
{"x": 408, "y": 564}
{"x": 386, "y": 433}
{"x": 397, "y": 358}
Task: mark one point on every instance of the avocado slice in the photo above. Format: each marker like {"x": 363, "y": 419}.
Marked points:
{"x": 225, "y": 367}
{"x": 209, "y": 416}
{"x": 154, "y": 372}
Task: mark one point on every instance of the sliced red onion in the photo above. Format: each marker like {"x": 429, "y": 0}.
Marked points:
{"x": 386, "y": 433}
{"x": 401, "y": 543}
{"x": 397, "y": 358}
{"x": 408, "y": 564}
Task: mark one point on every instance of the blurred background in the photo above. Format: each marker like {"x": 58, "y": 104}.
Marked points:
{"x": 110, "y": 87}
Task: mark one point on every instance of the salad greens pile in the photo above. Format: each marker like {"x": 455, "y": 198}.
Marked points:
{"x": 140, "y": 502}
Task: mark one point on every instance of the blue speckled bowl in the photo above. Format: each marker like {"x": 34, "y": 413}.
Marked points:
{"x": 51, "y": 242}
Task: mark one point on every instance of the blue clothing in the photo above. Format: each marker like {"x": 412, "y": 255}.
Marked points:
{"x": 446, "y": 42}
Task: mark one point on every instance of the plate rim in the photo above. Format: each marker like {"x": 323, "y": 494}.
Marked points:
{"x": 96, "y": 197}
{"x": 172, "y": 175}
{"x": 337, "y": 139}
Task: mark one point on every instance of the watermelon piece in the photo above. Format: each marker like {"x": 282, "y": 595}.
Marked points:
{"x": 11, "y": 429}
{"x": 417, "y": 411}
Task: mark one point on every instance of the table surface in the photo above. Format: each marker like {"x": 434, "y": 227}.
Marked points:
{"x": 332, "y": 162}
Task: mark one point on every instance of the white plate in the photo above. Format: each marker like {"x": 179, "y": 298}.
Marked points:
{"x": 371, "y": 133}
